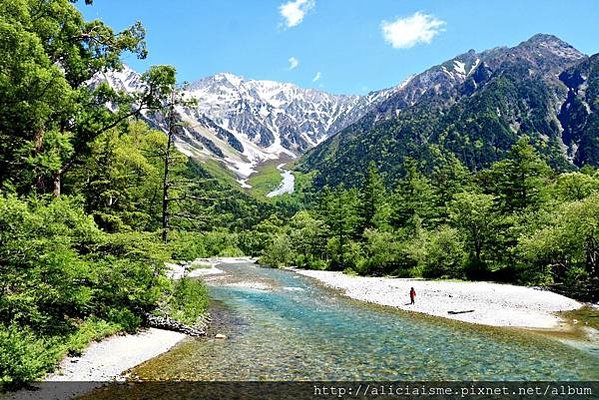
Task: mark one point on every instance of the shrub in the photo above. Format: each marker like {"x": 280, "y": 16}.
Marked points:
{"x": 187, "y": 246}
{"x": 61, "y": 276}
{"x": 221, "y": 243}
{"x": 43, "y": 270}
{"x": 310, "y": 261}
{"x": 382, "y": 252}
{"x": 189, "y": 300}
{"x": 445, "y": 254}
{"x": 23, "y": 356}
{"x": 125, "y": 319}
{"x": 315, "y": 263}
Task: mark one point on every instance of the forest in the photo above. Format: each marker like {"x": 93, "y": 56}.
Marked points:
{"x": 517, "y": 221}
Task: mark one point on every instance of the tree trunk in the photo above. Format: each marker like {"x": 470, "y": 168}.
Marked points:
{"x": 165, "y": 181}
{"x": 56, "y": 179}
{"x": 592, "y": 256}
{"x": 42, "y": 182}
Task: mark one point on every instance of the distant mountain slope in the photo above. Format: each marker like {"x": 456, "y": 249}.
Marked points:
{"x": 579, "y": 115}
{"x": 243, "y": 123}
{"x": 474, "y": 106}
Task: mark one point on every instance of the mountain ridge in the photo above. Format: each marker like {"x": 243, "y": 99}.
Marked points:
{"x": 480, "y": 104}
{"x": 243, "y": 123}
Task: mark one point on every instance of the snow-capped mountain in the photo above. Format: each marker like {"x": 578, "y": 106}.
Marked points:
{"x": 245, "y": 122}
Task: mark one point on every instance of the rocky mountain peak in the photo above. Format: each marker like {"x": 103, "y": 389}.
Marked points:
{"x": 548, "y": 52}
{"x": 243, "y": 122}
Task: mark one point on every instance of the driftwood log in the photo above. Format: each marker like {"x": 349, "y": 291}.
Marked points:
{"x": 459, "y": 312}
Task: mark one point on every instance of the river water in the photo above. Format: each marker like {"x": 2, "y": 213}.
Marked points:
{"x": 283, "y": 326}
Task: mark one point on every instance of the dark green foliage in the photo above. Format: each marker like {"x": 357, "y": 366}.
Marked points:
{"x": 278, "y": 252}
{"x": 23, "y": 356}
{"x": 579, "y": 115}
{"x": 444, "y": 250}
{"x": 517, "y": 221}
{"x": 341, "y": 211}
{"x": 382, "y": 253}
{"x": 49, "y": 113}
{"x": 513, "y": 93}
{"x": 59, "y": 270}
{"x": 566, "y": 249}
{"x": 375, "y": 209}
{"x": 415, "y": 199}
{"x": 472, "y": 214}
{"x": 519, "y": 181}
{"x": 458, "y": 185}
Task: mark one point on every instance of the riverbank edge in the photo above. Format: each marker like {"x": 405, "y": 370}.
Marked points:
{"x": 482, "y": 303}
{"x": 109, "y": 359}
{"x": 100, "y": 363}
{"x": 131, "y": 350}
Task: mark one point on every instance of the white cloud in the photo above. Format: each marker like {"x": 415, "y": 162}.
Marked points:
{"x": 407, "y": 32}
{"x": 317, "y": 77}
{"x": 293, "y": 63}
{"x": 294, "y": 11}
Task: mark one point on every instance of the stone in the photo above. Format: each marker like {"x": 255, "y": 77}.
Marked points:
{"x": 220, "y": 336}
{"x": 170, "y": 324}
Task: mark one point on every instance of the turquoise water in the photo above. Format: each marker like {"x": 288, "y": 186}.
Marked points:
{"x": 296, "y": 330}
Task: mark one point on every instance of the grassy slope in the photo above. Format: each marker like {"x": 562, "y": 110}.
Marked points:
{"x": 219, "y": 171}
{"x": 265, "y": 180}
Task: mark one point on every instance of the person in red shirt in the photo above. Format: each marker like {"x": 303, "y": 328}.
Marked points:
{"x": 412, "y": 295}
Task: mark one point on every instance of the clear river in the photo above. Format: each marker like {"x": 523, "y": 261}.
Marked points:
{"x": 282, "y": 326}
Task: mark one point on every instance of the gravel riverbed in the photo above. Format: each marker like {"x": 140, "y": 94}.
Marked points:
{"x": 475, "y": 302}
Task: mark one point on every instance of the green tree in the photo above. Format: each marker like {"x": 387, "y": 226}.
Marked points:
{"x": 472, "y": 215}
{"x": 381, "y": 251}
{"x": 279, "y": 252}
{"x": 340, "y": 208}
{"x": 376, "y": 207}
{"x": 445, "y": 254}
{"x": 519, "y": 181}
{"x": 50, "y": 112}
{"x": 567, "y": 249}
{"x": 414, "y": 197}
{"x": 121, "y": 179}
{"x": 308, "y": 238}
{"x": 575, "y": 186}
{"x": 448, "y": 177}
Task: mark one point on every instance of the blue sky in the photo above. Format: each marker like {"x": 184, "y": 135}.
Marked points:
{"x": 340, "y": 46}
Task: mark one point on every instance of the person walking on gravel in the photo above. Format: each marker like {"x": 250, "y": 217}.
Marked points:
{"x": 412, "y": 295}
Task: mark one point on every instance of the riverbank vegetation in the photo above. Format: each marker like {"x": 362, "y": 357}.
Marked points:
{"x": 517, "y": 221}
{"x": 88, "y": 192}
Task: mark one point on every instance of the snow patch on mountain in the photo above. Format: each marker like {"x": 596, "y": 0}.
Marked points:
{"x": 243, "y": 123}
{"x": 460, "y": 67}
